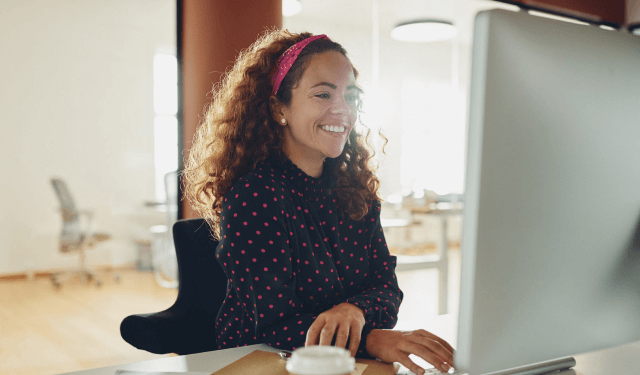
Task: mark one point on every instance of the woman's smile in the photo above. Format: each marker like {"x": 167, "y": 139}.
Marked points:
{"x": 333, "y": 129}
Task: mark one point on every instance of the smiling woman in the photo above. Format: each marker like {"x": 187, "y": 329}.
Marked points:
{"x": 282, "y": 174}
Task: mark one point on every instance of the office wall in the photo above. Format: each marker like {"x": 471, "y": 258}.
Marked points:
{"x": 76, "y": 100}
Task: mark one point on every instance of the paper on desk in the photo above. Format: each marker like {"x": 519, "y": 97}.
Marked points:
{"x": 267, "y": 363}
{"x": 127, "y": 372}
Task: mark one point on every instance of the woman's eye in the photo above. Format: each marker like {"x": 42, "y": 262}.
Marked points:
{"x": 323, "y": 95}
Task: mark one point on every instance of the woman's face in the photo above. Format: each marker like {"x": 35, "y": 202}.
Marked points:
{"x": 323, "y": 110}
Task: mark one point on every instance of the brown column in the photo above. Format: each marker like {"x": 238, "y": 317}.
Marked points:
{"x": 211, "y": 34}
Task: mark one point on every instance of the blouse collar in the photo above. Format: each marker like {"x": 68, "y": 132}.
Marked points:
{"x": 304, "y": 184}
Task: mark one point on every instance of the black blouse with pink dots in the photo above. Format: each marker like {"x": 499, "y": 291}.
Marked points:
{"x": 289, "y": 255}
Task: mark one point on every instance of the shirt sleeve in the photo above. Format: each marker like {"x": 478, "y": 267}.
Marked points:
{"x": 255, "y": 254}
{"x": 380, "y": 296}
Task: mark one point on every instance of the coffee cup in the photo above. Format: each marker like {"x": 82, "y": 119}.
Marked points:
{"x": 321, "y": 360}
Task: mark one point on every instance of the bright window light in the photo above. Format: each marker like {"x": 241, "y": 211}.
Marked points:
{"x": 165, "y": 84}
{"x": 432, "y": 138}
{"x": 165, "y": 142}
{"x": 165, "y": 126}
{"x": 291, "y": 7}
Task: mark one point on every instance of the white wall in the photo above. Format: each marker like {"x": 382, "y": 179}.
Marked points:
{"x": 76, "y": 100}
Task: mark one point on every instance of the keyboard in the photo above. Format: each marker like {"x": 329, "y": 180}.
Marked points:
{"x": 429, "y": 371}
{"x": 432, "y": 371}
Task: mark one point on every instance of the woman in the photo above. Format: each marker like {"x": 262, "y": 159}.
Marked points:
{"x": 284, "y": 180}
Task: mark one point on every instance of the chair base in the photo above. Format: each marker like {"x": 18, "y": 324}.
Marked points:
{"x": 89, "y": 275}
{"x": 59, "y": 277}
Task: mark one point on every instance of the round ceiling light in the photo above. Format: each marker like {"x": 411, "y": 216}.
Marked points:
{"x": 635, "y": 28}
{"x": 428, "y": 30}
{"x": 291, "y": 7}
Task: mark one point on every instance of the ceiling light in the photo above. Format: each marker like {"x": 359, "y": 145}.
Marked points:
{"x": 427, "y": 30}
{"x": 635, "y": 28}
{"x": 291, "y": 7}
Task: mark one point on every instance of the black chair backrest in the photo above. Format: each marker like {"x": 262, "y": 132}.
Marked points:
{"x": 203, "y": 283}
{"x": 188, "y": 326}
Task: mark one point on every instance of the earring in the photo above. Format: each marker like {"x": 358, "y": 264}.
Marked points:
{"x": 283, "y": 121}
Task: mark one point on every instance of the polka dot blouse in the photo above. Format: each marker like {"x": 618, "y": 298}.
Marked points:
{"x": 289, "y": 256}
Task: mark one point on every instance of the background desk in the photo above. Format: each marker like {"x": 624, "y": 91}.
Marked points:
{"x": 622, "y": 360}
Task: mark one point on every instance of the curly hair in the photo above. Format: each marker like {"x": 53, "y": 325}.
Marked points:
{"x": 239, "y": 132}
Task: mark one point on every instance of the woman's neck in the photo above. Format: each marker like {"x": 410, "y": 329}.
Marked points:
{"x": 309, "y": 164}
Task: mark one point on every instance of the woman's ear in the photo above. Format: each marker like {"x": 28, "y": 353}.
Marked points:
{"x": 277, "y": 111}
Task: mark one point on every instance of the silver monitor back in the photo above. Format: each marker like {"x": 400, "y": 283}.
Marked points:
{"x": 552, "y": 200}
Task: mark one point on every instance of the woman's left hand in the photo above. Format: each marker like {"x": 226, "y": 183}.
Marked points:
{"x": 343, "y": 321}
{"x": 396, "y": 346}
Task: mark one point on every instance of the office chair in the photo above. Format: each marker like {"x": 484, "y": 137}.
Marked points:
{"x": 188, "y": 326}
{"x": 76, "y": 235}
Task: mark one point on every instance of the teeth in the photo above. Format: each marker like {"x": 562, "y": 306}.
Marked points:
{"x": 335, "y": 129}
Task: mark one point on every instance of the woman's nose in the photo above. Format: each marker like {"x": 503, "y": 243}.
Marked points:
{"x": 340, "y": 107}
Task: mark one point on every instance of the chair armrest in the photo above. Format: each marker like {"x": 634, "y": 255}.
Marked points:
{"x": 170, "y": 331}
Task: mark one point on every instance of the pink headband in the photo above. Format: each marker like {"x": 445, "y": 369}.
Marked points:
{"x": 285, "y": 62}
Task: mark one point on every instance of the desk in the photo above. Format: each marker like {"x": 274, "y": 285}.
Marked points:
{"x": 622, "y": 360}
{"x": 439, "y": 261}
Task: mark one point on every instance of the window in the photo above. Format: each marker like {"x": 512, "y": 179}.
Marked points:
{"x": 165, "y": 125}
{"x": 432, "y": 155}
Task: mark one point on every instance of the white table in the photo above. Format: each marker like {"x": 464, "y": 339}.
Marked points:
{"x": 622, "y": 360}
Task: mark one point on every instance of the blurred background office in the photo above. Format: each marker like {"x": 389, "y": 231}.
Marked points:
{"x": 89, "y": 95}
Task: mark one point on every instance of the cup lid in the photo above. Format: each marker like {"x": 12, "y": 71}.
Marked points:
{"x": 320, "y": 360}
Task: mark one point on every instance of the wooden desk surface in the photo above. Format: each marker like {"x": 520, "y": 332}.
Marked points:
{"x": 621, "y": 360}
{"x": 434, "y": 210}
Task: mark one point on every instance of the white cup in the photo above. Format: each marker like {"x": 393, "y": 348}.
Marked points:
{"x": 321, "y": 360}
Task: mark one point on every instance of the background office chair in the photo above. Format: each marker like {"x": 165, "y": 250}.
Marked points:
{"x": 165, "y": 265}
{"x": 76, "y": 235}
{"x": 189, "y": 325}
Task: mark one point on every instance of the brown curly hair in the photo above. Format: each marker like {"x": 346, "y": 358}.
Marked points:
{"x": 239, "y": 131}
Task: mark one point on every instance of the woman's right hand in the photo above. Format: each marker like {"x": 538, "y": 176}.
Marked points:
{"x": 396, "y": 346}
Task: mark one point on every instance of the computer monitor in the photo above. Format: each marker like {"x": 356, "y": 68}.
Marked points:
{"x": 550, "y": 265}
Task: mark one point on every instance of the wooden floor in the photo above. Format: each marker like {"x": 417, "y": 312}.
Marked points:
{"x": 48, "y": 331}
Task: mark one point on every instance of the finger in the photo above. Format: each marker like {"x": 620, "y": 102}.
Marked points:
{"x": 404, "y": 360}
{"x": 425, "y": 353}
{"x": 326, "y": 335}
{"x": 438, "y": 339}
{"x": 440, "y": 350}
{"x": 342, "y": 336}
{"x": 434, "y": 345}
{"x": 355, "y": 334}
{"x": 314, "y": 332}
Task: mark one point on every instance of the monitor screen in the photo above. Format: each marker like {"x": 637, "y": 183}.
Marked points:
{"x": 550, "y": 262}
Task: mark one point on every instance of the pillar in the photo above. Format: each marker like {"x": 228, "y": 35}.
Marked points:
{"x": 211, "y": 33}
